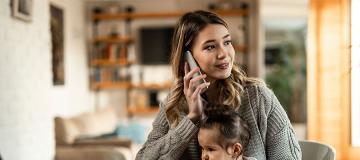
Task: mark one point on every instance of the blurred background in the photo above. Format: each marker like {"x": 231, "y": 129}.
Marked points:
{"x": 83, "y": 79}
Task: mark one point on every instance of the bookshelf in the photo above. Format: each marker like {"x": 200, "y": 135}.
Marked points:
{"x": 111, "y": 85}
{"x": 173, "y": 14}
{"x": 109, "y": 60}
{"x": 135, "y": 110}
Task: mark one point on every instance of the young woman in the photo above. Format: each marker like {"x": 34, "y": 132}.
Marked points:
{"x": 175, "y": 128}
{"x": 223, "y": 135}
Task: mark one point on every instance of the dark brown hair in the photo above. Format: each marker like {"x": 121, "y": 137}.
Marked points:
{"x": 231, "y": 126}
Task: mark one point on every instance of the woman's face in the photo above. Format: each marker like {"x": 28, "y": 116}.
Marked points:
{"x": 210, "y": 149}
{"x": 213, "y": 51}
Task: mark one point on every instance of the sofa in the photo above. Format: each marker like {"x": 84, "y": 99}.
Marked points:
{"x": 90, "y": 136}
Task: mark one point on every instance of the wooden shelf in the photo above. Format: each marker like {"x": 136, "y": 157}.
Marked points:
{"x": 120, "y": 62}
{"x": 128, "y": 85}
{"x": 111, "y": 85}
{"x": 113, "y": 39}
{"x": 145, "y": 15}
{"x": 162, "y": 86}
{"x": 148, "y": 110}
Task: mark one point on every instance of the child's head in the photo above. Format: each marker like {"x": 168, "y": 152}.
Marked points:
{"x": 223, "y": 134}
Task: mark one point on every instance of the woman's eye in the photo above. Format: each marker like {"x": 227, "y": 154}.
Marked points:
{"x": 210, "y": 47}
{"x": 227, "y": 42}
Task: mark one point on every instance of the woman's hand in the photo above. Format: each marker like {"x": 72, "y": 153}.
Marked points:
{"x": 192, "y": 91}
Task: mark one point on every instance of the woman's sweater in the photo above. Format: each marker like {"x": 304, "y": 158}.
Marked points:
{"x": 271, "y": 133}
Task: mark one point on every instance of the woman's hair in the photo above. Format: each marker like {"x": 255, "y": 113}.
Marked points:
{"x": 231, "y": 126}
{"x": 188, "y": 27}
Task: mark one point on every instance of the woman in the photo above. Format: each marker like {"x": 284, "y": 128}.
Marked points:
{"x": 174, "y": 134}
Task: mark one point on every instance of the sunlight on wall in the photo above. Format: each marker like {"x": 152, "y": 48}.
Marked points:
{"x": 355, "y": 74}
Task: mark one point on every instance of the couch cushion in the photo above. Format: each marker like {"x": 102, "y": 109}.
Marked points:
{"x": 93, "y": 153}
{"x": 90, "y": 124}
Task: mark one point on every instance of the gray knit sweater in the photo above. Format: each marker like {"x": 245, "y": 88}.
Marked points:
{"x": 272, "y": 136}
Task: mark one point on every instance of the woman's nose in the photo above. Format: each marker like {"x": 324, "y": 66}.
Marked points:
{"x": 222, "y": 52}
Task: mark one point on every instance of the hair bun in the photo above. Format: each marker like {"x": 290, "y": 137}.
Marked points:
{"x": 217, "y": 111}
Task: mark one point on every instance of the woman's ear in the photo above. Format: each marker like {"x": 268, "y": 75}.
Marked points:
{"x": 237, "y": 150}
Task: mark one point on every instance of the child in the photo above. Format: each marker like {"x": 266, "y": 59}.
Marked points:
{"x": 223, "y": 134}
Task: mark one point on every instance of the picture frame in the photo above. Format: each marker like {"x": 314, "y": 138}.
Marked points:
{"x": 57, "y": 40}
{"x": 22, "y": 9}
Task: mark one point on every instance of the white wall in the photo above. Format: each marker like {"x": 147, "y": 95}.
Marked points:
{"x": 26, "y": 128}
{"x": 28, "y": 99}
{"x": 75, "y": 96}
{"x": 284, "y": 14}
{"x": 280, "y": 9}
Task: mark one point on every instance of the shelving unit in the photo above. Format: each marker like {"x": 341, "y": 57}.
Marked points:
{"x": 110, "y": 85}
{"x": 133, "y": 110}
{"x": 109, "y": 59}
{"x": 147, "y": 15}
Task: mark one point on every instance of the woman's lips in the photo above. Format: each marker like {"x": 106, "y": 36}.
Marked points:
{"x": 223, "y": 66}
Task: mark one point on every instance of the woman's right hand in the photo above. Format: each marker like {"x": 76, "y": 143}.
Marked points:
{"x": 192, "y": 91}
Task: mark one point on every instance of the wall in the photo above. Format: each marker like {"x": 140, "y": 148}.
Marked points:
{"x": 28, "y": 100}
{"x": 284, "y": 14}
{"x": 75, "y": 96}
{"x": 25, "y": 88}
{"x": 284, "y": 9}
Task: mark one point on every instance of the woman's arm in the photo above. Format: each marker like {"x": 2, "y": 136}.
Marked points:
{"x": 281, "y": 142}
{"x": 164, "y": 143}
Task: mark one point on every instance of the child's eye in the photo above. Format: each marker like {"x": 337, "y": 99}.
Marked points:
{"x": 211, "y": 149}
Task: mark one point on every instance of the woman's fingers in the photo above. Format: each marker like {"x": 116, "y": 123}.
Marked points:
{"x": 207, "y": 84}
{"x": 200, "y": 89}
{"x": 194, "y": 82}
{"x": 186, "y": 67}
{"x": 190, "y": 74}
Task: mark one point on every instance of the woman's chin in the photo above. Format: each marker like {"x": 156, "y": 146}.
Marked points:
{"x": 222, "y": 76}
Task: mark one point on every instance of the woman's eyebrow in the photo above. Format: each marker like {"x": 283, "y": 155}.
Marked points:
{"x": 226, "y": 36}
{"x": 213, "y": 40}
{"x": 208, "y": 41}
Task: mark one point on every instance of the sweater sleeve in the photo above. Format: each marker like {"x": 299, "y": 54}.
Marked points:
{"x": 164, "y": 143}
{"x": 281, "y": 142}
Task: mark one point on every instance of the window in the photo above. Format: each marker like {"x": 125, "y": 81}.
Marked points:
{"x": 355, "y": 73}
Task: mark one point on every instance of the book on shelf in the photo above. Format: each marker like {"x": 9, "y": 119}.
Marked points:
{"x": 123, "y": 52}
{"x": 112, "y": 52}
{"x": 111, "y": 74}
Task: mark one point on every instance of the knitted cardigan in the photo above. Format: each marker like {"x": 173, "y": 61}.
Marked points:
{"x": 271, "y": 133}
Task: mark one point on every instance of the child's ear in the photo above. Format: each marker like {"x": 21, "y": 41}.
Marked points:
{"x": 237, "y": 149}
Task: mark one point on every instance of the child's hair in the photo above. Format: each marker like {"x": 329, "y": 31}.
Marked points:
{"x": 231, "y": 126}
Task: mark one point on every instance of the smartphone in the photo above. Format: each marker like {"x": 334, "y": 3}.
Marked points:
{"x": 192, "y": 64}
